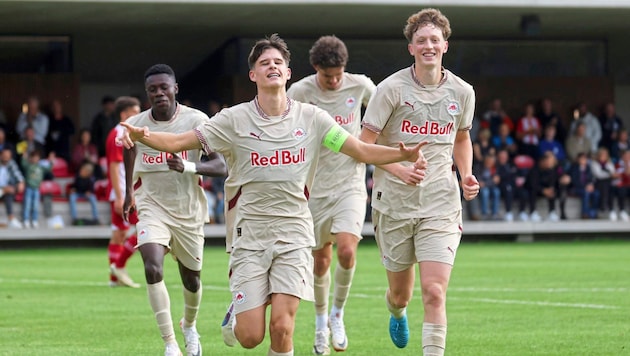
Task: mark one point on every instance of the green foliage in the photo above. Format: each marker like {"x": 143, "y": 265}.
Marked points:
{"x": 504, "y": 299}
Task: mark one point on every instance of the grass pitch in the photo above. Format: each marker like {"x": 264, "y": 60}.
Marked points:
{"x": 504, "y": 299}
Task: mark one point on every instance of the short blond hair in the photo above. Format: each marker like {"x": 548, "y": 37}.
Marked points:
{"x": 425, "y": 17}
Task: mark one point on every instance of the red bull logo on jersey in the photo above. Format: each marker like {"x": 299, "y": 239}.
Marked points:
{"x": 345, "y": 120}
{"x": 428, "y": 128}
{"x": 278, "y": 158}
{"x": 161, "y": 157}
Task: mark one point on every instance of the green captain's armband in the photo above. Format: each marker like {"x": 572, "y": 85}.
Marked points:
{"x": 335, "y": 138}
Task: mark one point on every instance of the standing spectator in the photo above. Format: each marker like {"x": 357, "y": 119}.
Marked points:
{"x": 593, "y": 127}
{"x": 528, "y": 131}
{"x": 489, "y": 190}
{"x": 506, "y": 172}
{"x": 60, "y": 131}
{"x": 621, "y": 145}
{"x": 583, "y": 185}
{"x": 103, "y": 123}
{"x": 83, "y": 187}
{"x": 611, "y": 125}
{"x": 482, "y": 146}
{"x": 29, "y": 144}
{"x": 494, "y": 117}
{"x": 505, "y": 141}
{"x": 548, "y": 116}
{"x": 622, "y": 186}
{"x": 11, "y": 183}
{"x": 85, "y": 150}
{"x": 34, "y": 173}
{"x": 604, "y": 171}
{"x": 578, "y": 142}
{"x": 35, "y": 119}
{"x": 550, "y": 143}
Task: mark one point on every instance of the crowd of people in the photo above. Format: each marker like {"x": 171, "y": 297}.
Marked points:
{"x": 541, "y": 156}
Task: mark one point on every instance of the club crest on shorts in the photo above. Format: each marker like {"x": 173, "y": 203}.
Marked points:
{"x": 239, "y": 297}
{"x": 351, "y": 102}
{"x": 452, "y": 108}
{"x": 142, "y": 234}
{"x": 299, "y": 133}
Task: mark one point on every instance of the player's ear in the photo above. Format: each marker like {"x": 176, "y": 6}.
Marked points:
{"x": 176, "y": 87}
{"x": 410, "y": 49}
{"x": 288, "y": 73}
{"x": 445, "y": 46}
{"x": 252, "y": 76}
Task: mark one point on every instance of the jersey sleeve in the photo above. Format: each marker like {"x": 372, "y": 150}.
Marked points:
{"x": 215, "y": 135}
{"x": 379, "y": 109}
{"x": 469, "y": 112}
{"x": 370, "y": 89}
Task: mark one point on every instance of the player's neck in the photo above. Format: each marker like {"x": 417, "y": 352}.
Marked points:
{"x": 428, "y": 75}
{"x": 272, "y": 104}
{"x": 164, "y": 115}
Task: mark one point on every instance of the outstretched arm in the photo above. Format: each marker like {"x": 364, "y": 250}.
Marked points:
{"x": 161, "y": 141}
{"x": 378, "y": 154}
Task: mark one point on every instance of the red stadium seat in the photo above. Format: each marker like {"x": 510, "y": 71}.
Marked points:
{"x": 52, "y": 188}
{"x": 100, "y": 189}
{"x": 60, "y": 168}
{"x": 524, "y": 162}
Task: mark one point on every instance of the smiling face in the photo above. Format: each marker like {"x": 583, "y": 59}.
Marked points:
{"x": 428, "y": 46}
{"x": 161, "y": 90}
{"x": 270, "y": 70}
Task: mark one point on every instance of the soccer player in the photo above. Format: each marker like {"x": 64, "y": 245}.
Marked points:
{"x": 123, "y": 242}
{"x": 271, "y": 145}
{"x": 171, "y": 205}
{"x": 338, "y": 196}
{"x": 418, "y": 217}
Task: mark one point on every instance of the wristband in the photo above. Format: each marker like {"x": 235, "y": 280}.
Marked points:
{"x": 189, "y": 167}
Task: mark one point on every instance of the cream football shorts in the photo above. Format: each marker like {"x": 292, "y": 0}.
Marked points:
{"x": 335, "y": 214}
{"x": 404, "y": 242}
{"x": 184, "y": 242}
{"x": 255, "y": 275}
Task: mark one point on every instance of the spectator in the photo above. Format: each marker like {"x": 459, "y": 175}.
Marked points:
{"x": 528, "y": 132}
{"x": 621, "y": 145}
{"x": 593, "y": 128}
{"x": 548, "y": 180}
{"x": 83, "y": 187}
{"x": 611, "y": 125}
{"x": 604, "y": 172}
{"x": 103, "y": 123}
{"x": 34, "y": 173}
{"x": 578, "y": 142}
{"x": 11, "y": 183}
{"x": 60, "y": 131}
{"x": 549, "y": 143}
{"x": 35, "y": 119}
{"x": 489, "y": 188}
{"x": 5, "y": 144}
{"x": 583, "y": 186}
{"x": 506, "y": 173}
{"x": 494, "y": 117}
{"x": 622, "y": 186}
{"x": 504, "y": 141}
{"x": 482, "y": 146}
{"x": 29, "y": 144}
{"x": 85, "y": 150}
{"x": 548, "y": 116}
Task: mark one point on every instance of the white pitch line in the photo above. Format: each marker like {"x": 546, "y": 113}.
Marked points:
{"x": 89, "y": 284}
{"x": 516, "y": 290}
{"x": 529, "y": 302}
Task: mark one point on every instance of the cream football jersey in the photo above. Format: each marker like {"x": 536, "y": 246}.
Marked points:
{"x": 403, "y": 110}
{"x": 337, "y": 172}
{"x": 272, "y": 162}
{"x": 175, "y": 197}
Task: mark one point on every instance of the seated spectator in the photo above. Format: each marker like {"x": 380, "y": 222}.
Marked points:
{"x": 578, "y": 143}
{"x": 604, "y": 172}
{"x": 621, "y": 145}
{"x": 83, "y": 187}
{"x": 549, "y": 143}
{"x": 34, "y": 173}
{"x": 528, "y": 131}
{"x": 548, "y": 116}
{"x": 503, "y": 141}
{"x": 494, "y": 117}
{"x": 611, "y": 125}
{"x": 593, "y": 128}
{"x": 548, "y": 180}
{"x": 35, "y": 119}
{"x": 482, "y": 146}
{"x": 489, "y": 192}
{"x": 85, "y": 150}
{"x": 583, "y": 186}
{"x": 622, "y": 186}
{"x": 11, "y": 183}
{"x": 506, "y": 173}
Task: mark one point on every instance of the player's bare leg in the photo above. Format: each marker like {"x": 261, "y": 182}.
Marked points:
{"x": 397, "y": 298}
{"x": 249, "y": 327}
{"x": 282, "y": 323}
{"x": 321, "y": 274}
{"x": 344, "y": 272}
{"x": 434, "y": 278}
{"x": 192, "y": 300}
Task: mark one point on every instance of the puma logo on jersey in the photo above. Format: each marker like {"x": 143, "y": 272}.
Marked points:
{"x": 409, "y": 105}
{"x": 254, "y": 135}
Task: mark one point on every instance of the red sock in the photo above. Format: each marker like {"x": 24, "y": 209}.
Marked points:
{"x": 114, "y": 252}
{"x": 128, "y": 249}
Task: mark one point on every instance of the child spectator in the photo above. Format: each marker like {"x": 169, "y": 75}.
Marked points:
{"x": 549, "y": 143}
{"x": 489, "y": 189}
{"x": 506, "y": 172}
{"x": 11, "y": 183}
{"x": 623, "y": 184}
{"x": 83, "y": 187}
{"x": 85, "y": 150}
{"x": 619, "y": 146}
{"x": 528, "y": 132}
{"x": 34, "y": 173}
{"x": 503, "y": 140}
{"x": 583, "y": 186}
{"x": 604, "y": 171}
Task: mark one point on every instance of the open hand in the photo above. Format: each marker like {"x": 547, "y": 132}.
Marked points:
{"x": 412, "y": 154}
